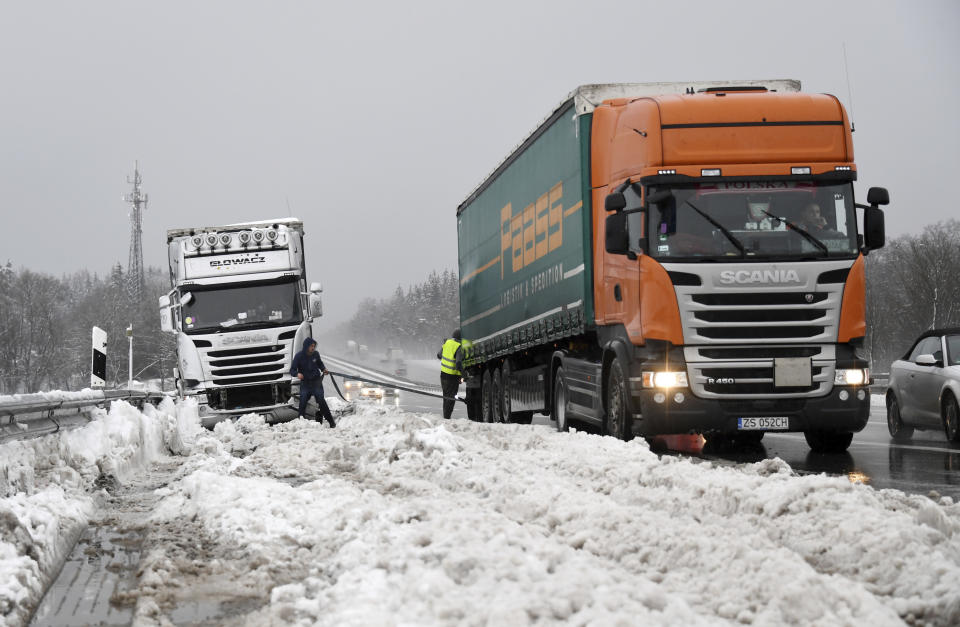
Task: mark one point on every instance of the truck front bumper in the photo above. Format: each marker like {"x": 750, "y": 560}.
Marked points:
{"x": 697, "y": 415}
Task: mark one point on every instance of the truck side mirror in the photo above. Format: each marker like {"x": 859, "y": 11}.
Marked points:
{"x": 315, "y": 288}
{"x": 878, "y": 196}
{"x": 615, "y": 202}
{"x": 167, "y": 320}
{"x": 873, "y": 229}
{"x": 164, "y": 301}
{"x": 617, "y": 242}
{"x": 315, "y": 305}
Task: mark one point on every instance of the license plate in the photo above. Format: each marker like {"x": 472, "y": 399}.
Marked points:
{"x": 763, "y": 423}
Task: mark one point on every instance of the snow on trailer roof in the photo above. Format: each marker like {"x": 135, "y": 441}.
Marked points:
{"x": 294, "y": 224}
{"x": 586, "y": 98}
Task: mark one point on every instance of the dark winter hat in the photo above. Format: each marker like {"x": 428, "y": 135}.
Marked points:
{"x": 456, "y": 334}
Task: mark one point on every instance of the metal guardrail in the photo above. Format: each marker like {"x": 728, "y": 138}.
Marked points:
{"x": 33, "y": 417}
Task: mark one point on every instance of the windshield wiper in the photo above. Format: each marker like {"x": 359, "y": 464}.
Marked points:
{"x": 810, "y": 238}
{"x": 723, "y": 229}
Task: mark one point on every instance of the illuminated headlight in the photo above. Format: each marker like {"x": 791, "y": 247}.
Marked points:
{"x": 372, "y": 392}
{"x": 710, "y": 172}
{"x": 801, "y": 170}
{"x": 352, "y": 385}
{"x": 666, "y": 171}
{"x": 843, "y": 168}
{"x": 665, "y": 379}
{"x": 851, "y": 376}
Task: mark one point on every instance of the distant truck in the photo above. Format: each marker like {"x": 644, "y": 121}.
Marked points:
{"x": 393, "y": 361}
{"x": 240, "y": 308}
{"x": 673, "y": 258}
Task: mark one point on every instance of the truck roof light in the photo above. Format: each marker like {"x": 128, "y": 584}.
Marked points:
{"x": 258, "y": 236}
{"x": 843, "y": 168}
{"x": 244, "y": 237}
{"x": 800, "y": 170}
{"x": 211, "y": 239}
{"x": 666, "y": 171}
{"x": 272, "y": 235}
{"x": 225, "y": 239}
{"x": 710, "y": 172}
{"x": 196, "y": 241}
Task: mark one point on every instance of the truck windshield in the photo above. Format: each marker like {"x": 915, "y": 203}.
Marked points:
{"x": 753, "y": 220}
{"x": 248, "y": 306}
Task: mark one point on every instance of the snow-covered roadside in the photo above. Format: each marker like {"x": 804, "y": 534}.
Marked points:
{"x": 396, "y": 518}
{"x": 49, "y": 488}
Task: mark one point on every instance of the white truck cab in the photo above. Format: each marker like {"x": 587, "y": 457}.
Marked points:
{"x": 240, "y": 308}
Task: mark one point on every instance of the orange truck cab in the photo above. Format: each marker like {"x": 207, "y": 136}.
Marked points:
{"x": 720, "y": 280}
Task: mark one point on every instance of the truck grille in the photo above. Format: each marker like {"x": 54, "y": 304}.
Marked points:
{"x": 732, "y": 333}
{"x": 250, "y": 364}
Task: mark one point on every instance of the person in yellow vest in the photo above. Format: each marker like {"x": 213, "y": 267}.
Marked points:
{"x": 451, "y": 370}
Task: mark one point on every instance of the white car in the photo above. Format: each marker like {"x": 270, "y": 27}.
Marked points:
{"x": 925, "y": 385}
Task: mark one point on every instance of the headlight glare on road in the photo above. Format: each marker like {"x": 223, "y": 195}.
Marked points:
{"x": 851, "y": 376}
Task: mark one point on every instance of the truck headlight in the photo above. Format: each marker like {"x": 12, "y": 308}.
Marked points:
{"x": 667, "y": 379}
{"x": 851, "y": 376}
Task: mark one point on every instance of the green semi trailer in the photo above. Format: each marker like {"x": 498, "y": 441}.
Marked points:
{"x": 586, "y": 294}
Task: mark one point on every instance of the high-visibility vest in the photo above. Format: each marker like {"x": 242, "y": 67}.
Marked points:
{"x": 448, "y": 362}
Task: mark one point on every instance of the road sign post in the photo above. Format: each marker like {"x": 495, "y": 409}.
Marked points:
{"x": 98, "y": 367}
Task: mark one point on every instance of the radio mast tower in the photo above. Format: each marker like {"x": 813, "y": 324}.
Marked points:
{"x": 135, "y": 264}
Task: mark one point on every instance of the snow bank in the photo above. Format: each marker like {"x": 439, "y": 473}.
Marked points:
{"x": 49, "y": 485}
{"x": 395, "y": 518}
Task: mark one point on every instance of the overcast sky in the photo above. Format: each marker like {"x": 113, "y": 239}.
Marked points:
{"x": 375, "y": 119}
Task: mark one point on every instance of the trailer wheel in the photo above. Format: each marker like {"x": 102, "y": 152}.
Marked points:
{"x": 828, "y": 441}
{"x": 619, "y": 422}
{"x": 486, "y": 409}
{"x": 560, "y": 400}
{"x": 497, "y": 404}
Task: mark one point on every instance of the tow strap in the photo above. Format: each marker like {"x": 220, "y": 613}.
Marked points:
{"x": 388, "y": 385}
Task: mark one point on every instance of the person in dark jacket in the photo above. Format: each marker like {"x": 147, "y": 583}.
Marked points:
{"x": 308, "y": 367}
{"x": 451, "y": 370}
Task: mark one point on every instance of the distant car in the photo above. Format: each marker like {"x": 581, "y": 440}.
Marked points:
{"x": 352, "y": 389}
{"x": 925, "y": 386}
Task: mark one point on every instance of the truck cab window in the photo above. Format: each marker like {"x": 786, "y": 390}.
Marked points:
{"x": 636, "y": 221}
{"x": 245, "y": 306}
{"x": 770, "y": 219}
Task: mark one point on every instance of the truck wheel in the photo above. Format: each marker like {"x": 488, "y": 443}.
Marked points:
{"x": 828, "y": 441}
{"x": 560, "y": 400}
{"x": 619, "y": 422}
{"x": 951, "y": 419}
{"x": 898, "y": 430}
{"x": 486, "y": 408}
{"x": 496, "y": 405}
